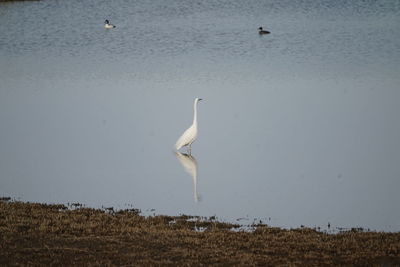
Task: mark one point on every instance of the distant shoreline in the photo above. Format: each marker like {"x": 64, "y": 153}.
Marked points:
{"x": 38, "y": 234}
{"x": 19, "y": 1}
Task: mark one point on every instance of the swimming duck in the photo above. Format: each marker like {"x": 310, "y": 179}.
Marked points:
{"x": 261, "y": 31}
{"x": 107, "y": 25}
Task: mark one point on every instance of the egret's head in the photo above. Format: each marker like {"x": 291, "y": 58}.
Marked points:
{"x": 198, "y": 99}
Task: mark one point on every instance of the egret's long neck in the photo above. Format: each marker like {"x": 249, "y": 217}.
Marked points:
{"x": 195, "y": 113}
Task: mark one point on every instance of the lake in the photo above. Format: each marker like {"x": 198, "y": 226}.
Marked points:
{"x": 297, "y": 127}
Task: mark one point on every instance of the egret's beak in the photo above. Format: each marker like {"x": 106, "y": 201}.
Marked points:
{"x": 200, "y": 99}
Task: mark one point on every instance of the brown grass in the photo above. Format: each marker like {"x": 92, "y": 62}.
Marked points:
{"x": 40, "y": 234}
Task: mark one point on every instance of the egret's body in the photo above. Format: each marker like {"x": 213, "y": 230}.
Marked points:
{"x": 190, "y": 135}
{"x": 261, "y": 31}
{"x": 107, "y": 25}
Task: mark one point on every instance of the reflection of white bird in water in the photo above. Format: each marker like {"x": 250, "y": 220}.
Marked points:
{"x": 189, "y": 163}
{"x": 190, "y": 135}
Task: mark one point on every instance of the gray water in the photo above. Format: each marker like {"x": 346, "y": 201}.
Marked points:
{"x": 299, "y": 127}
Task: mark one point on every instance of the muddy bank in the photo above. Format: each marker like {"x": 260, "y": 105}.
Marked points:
{"x": 38, "y": 234}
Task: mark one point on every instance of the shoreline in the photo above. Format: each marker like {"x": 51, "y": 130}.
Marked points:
{"x": 38, "y": 234}
{"x": 236, "y": 225}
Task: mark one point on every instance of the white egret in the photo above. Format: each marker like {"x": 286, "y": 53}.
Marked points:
{"x": 261, "y": 31}
{"x": 190, "y": 135}
{"x": 107, "y": 24}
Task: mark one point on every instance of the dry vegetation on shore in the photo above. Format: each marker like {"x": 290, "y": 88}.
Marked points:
{"x": 39, "y": 234}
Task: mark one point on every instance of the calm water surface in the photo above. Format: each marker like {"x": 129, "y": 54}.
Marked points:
{"x": 299, "y": 127}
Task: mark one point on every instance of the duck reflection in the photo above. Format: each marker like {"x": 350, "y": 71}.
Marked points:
{"x": 189, "y": 163}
